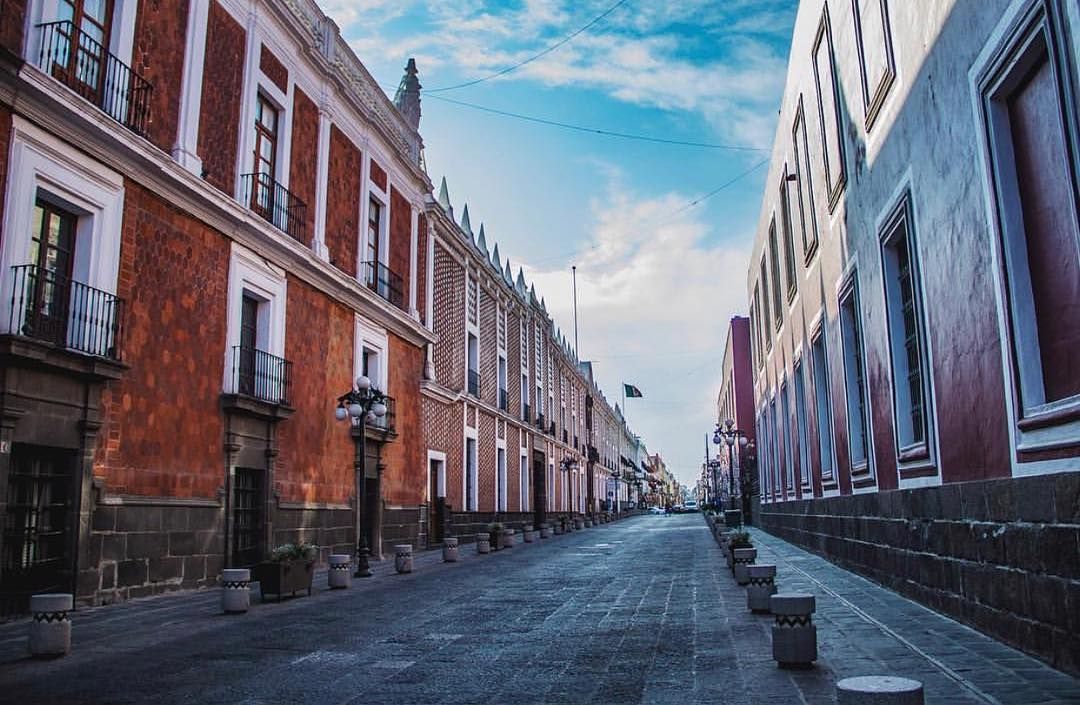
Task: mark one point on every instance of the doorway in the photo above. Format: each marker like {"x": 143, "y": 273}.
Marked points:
{"x": 539, "y": 478}
{"x": 248, "y": 517}
{"x": 436, "y": 500}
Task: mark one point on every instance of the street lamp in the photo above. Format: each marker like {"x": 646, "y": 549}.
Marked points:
{"x": 361, "y": 405}
{"x": 567, "y": 465}
{"x": 728, "y": 435}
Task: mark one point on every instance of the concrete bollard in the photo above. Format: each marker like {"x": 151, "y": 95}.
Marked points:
{"x": 545, "y": 531}
{"x": 508, "y": 538}
{"x": 588, "y": 523}
{"x": 761, "y": 587}
{"x": 403, "y": 558}
{"x": 528, "y": 533}
{"x": 339, "y": 573}
{"x": 794, "y": 636}
{"x": 558, "y": 528}
{"x": 879, "y": 690}
{"x": 483, "y": 542}
{"x": 742, "y": 557}
{"x": 235, "y": 590}
{"x": 50, "y": 631}
{"x": 450, "y": 550}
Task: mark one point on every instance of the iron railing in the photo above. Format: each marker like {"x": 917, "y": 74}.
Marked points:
{"x": 540, "y": 421}
{"x": 525, "y": 412}
{"x": 276, "y": 205}
{"x": 503, "y": 401}
{"x": 385, "y": 282}
{"x": 46, "y": 306}
{"x": 474, "y": 383}
{"x": 82, "y": 64}
{"x": 386, "y": 422}
{"x": 260, "y": 375}
{"x": 565, "y": 437}
{"x": 551, "y": 429}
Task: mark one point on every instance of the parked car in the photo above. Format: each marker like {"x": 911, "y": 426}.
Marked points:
{"x": 656, "y": 510}
{"x": 690, "y": 505}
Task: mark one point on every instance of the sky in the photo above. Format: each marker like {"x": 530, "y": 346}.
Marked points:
{"x": 660, "y": 268}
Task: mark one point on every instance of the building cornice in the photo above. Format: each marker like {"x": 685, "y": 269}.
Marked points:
{"x": 47, "y": 103}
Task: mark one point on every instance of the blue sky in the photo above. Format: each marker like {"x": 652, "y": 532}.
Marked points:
{"x": 657, "y": 280}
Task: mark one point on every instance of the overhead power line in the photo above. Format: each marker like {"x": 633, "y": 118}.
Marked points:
{"x": 597, "y": 130}
{"x": 532, "y": 58}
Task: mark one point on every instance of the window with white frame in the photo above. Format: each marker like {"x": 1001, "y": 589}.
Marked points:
{"x": 907, "y": 339}
{"x": 371, "y": 346}
{"x": 854, "y": 379}
{"x": 500, "y": 479}
{"x": 806, "y": 217}
{"x": 774, "y": 270}
{"x": 255, "y": 349}
{"x": 803, "y": 461}
{"x": 523, "y": 482}
{"x": 785, "y": 432}
{"x": 822, "y": 404}
{"x": 829, "y": 114}
{"x": 470, "y": 475}
{"x": 788, "y": 227}
{"x": 1028, "y": 101}
{"x": 60, "y": 253}
{"x": 765, "y": 311}
{"x": 876, "y": 65}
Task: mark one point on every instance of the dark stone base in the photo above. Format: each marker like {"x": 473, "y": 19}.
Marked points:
{"x": 1002, "y": 556}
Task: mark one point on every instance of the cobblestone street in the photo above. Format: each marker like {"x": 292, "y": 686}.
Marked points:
{"x": 641, "y": 611}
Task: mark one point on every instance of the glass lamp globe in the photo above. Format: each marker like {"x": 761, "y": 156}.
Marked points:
{"x": 340, "y": 413}
{"x": 743, "y": 440}
{"x": 363, "y": 383}
{"x": 379, "y": 409}
{"x": 371, "y": 417}
{"x": 355, "y": 410}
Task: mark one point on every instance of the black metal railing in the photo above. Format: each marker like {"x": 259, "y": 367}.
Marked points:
{"x": 474, "y": 383}
{"x": 385, "y": 282}
{"x": 525, "y": 412}
{"x": 551, "y": 429}
{"x": 260, "y": 375}
{"x": 388, "y": 421}
{"x": 46, "y": 306}
{"x": 540, "y": 421}
{"x": 82, "y": 64}
{"x": 576, "y": 443}
{"x": 565, "y": 437}
{"x": 276, "y": 205}
{"x": 504, "y": 403}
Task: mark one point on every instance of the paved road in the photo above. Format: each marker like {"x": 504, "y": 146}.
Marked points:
{"x": 642, "y": 611}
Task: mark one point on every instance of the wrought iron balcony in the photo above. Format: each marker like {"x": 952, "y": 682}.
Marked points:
{"x": 526, "y": 412}
{"x": 385, "y": 282}
{"x": 276, "y": 205}
{"x": 46, "y": 306}
{"x": 260, "y": 375}
{"x": 503, "y": 402}
{"x": 540, "y": 423}
{"x": 82, "y": 64}
{"x": 474, "y": 383}
{"x": 565, "y": 437}
{"x": 388, "y": 421}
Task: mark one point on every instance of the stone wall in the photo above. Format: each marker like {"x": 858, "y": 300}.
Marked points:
{"x": 1000, "y": 555}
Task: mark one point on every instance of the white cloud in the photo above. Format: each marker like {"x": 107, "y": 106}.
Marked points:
{"x": 654, "y": 300}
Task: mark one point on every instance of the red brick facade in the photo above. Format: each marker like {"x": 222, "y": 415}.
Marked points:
{"x": 405, "y": 479}
{"x": 273, "y": 69}
{"x": 158, "y": 56}
{"x": 162, "y": 432}
{"x": 305, "y": 147}
{"x": 343, "y": 189}
{"x": 11, "y": 29}
{"x": 378, "y": 175}
{"x": 421, "y": 268}
{"x": 223, "y": 80}
{"x": 5, "y": 149}
{"x": 449, "y": 318}
{"x": 400, "y": 255}
{"x": 315, "y": 460}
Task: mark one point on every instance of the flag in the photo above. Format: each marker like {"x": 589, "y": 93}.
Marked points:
{"x": 631, "y": 391}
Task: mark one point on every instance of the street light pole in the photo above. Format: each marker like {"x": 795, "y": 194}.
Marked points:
{"x": 361, "y": 405}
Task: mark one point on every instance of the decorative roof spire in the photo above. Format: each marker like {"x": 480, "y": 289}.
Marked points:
{"x": 407, "y": 98}
{"x": 495, "y": 261}
{"x": 481, "y": 244}
{"x": 521, "y": 280}
{"x": 444, "y": 199}
{"x": 508, "y": 274}
{"x": 465, "y": 224}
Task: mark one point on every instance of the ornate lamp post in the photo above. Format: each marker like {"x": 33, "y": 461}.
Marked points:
{"x": 361, "y": 405}
{"x": 566, "y": 465}
{"x": 729, "y": 435}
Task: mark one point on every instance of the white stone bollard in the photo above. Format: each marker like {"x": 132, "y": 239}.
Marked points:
{"x": 879, "y": 690}
{"x": 508, "y": 538}
{"x": 528, "y": 535}
{"x": 794, "y": 636}
{"x": 235, "y": 590}
{"x": 50, "y": 630}
{"x": 588, "y": 523}
{"x": 339, "y": 573}
{"x": 545, "y": 531}
{"x": 483, "y": 542}
{"x": 450, "y": 550}
{"x": 761, "y": 587}
{"x": 742, "y": 557}
{"x": 403, "y": 558}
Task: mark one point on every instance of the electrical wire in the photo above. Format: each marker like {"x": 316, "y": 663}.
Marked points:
{"x": 532, "y": 58}
{"x": 597, "y": 130}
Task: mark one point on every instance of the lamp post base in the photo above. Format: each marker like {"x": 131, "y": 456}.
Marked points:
{"x": 363, "y": 570}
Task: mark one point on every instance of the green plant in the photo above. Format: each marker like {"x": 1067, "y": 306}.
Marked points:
{"x": 739, "y": 539}
{"x": 495, "y": 526}
{"x": 295, "y": 552}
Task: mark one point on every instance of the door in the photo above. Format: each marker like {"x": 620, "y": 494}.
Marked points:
{"x": 48, "y": 285}
{"x": 436, "y": 504}
{"x": 249, "y": 331}
{"x": 539, "y": 478}
{"x": 81, "y": 46}
{"x": 248, "y": 517}
{"x": 38, "y": 548}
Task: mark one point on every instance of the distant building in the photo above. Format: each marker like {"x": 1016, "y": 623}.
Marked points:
{"x": 735, "y": 402}
{"x": 915, "y": 307}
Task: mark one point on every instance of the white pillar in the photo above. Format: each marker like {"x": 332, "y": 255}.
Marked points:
{"x": 322, "y": 174}
{"x": 185, "y": 150}
{"x": 413, "y": 240}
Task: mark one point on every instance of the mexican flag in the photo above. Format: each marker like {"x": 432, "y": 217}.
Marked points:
{"x": 631, "y": 391}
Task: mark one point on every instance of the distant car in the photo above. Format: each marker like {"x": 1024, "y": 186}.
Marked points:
{"x": 677, "y": 508}
{"x": 690, "y": 506}
{"x": 656, "y": 510}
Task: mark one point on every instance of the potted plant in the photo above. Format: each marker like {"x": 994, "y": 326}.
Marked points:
{"x": 289, "y": 570}
{"x": 495, "y": 532}
{"x": 736, "y": 539}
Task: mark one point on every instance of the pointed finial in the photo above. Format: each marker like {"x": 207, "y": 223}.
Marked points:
{"x": 465, "y": 224}
{"x": 495, "y": 261}
{"x": 521, "y": 279}
{"x": 508, "y": 274}
{"x": 407, "y": 98}
{"x": 481, "y": 244}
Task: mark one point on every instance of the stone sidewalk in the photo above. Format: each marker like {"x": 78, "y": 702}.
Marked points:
{"x": 641, "y": 611}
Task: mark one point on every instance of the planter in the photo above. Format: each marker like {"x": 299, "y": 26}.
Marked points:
{"x": 50, "y": 631}
{"x": 483, "y": 543}
{"x": 339, "y": 573}
{"x": 742, "y": 557}
{"x": 558, "y": 529}
{"x": 508, "y": 538}
{"x": 794, "y": 634}
{"x": 761, "y": 587}
{"x": 281, "y": 577}
{"x": 495, "y": 539}
{"x": 450, "y": 550}
{"x": 528, "y": 535}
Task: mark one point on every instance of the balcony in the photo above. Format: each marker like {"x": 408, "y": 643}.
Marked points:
{"x": 386, "y": 423}
{"x": 577, "y": 444}
{"x": 384, "y": 282}
{"x": 77, "y": 60}
{"x": 474, "y": 383}
{"x": 540, "y": 424}
{"x": 525, "y": 412}
{"x": 565, "y": 437}
{"x": 503, "y": 402}
{"x": 276, "y": 205}
{"x": 551, "y": 429}
{"x": 260, "y": 375}
{"x": 48, "y": 307}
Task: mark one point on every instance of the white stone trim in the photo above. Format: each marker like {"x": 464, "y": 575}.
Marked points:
{"x": 368, "y": 335}
{"x": 185, "y": 149}
{"x": 250, "y": 272}
{"x": 322, "y": 175}
{"x": 440, "y": 484}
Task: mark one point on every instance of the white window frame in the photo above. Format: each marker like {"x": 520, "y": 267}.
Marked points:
{"x": 1034, "y": 426}
{"x": 250, "y": 273}
{"x": 798, "y": 389}
{"x": 500, "y": 476}
{"x": 92, "y": 191}
{"x": 523, "y": 480}
{"x": 440, "y": 484}
{"x": 368, "y": 335}
{"x": 473, "y": 481}
{"x": 863, "y": 476}
{"x": 256, "y": 82}
{"x": 121, "y": 33}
